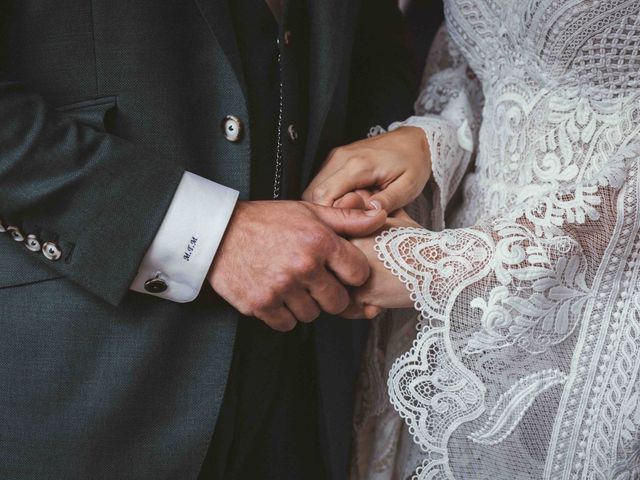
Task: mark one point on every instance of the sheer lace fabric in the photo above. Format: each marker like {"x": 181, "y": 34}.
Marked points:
{"x": 525, "y": 360}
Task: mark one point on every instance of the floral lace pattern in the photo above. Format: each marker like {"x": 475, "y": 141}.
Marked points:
{"x": 527, "y": 355}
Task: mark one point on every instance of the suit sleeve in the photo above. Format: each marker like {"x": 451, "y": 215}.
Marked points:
{"x": 383, "y": 76}
{"x": 91, "y": 201}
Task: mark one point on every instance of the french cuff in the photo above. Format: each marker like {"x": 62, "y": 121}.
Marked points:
{"x": 177, "y": 262}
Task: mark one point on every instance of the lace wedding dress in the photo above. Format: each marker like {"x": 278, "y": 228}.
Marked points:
{"x": 524, "y": 363}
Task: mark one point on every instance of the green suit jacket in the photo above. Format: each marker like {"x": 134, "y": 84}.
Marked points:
{"x": 103, "y": 105}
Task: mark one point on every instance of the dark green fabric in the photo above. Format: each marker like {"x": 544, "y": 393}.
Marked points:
{"x": 103, "y": 105}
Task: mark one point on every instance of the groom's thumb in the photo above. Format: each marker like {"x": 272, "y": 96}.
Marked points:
{"x": 350, "y": 222}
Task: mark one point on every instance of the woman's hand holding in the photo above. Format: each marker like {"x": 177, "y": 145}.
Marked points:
{"x": 394, "y": 167}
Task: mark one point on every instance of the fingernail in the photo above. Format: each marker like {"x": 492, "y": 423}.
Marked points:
{"x": 375, "y": 204}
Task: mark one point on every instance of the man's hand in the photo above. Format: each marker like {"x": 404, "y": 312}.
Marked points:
{"x": 285, "y": 261}
{"x": 394, "y": 166}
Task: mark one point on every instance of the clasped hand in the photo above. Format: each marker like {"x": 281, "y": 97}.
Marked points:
{"x": 285, "y": 262}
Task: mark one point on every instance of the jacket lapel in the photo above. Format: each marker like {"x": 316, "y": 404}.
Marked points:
{"x": 218, "y": 16}
{"x": 327, "y": 19}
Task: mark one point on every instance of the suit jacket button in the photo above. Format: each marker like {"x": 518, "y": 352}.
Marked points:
{"x": 232, "y": 128}
{"x": 32, "y": 243}
{"x": 16, "y": 234}
{"x": 292, "y": 131}
{"x": 155, "y": 285}
{"x": 51, "y": 251}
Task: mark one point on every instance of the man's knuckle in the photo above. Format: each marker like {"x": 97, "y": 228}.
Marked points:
{"x": 316, "y": 239}
{"x": 357, "y": 269}
{"x": 263, "y": 300}
{"x": 361, "y": 271}
{"x": 304, "y": 264}
{"x": 281, "y": 284}
{"x": 339, "y": 303}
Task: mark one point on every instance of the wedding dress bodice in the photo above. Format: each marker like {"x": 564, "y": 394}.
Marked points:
{"x": 526, "y": 357}
{"x": 561, "y": 82}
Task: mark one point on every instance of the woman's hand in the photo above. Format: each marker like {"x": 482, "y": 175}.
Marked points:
{"x": 383, "y": 290}
{"x": 394, "y": 166}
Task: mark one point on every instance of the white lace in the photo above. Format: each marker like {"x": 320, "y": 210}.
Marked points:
{"x": 527, "y": 355}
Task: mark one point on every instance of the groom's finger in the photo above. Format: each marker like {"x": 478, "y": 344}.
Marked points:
{"x": 303, "y": 306}
{"x": 329, "y": 293}
{"x": 279, "y": 318}
{"x": 349, "y": 264}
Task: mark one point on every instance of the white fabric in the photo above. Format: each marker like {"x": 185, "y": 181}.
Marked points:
{"x": 526, "y": 358}
{"x": 188, "y": 238}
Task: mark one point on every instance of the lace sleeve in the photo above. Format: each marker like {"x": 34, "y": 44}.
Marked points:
{"x": 448, "y": 110}
{"x": 500, "y": 306}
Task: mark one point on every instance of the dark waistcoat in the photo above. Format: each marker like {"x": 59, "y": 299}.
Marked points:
{"x": 267, "y": 427}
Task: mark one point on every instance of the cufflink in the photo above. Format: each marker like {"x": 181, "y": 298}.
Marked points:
{"x": 156, "y": 285}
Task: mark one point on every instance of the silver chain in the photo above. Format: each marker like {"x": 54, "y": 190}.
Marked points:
{"x": 279, "y": 154}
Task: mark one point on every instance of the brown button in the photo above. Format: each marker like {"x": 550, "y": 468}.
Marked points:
{"x": 232, "y": 128}
{"x": 155, "y": 285}
{"x": 293, "y": 133}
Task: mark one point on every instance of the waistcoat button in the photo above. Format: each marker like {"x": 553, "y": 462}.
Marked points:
{"x": 293, "y": 133}
{"x": 287, "y": 37}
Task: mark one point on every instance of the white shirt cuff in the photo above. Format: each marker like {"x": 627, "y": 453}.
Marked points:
{"x": 177, "y": 262}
